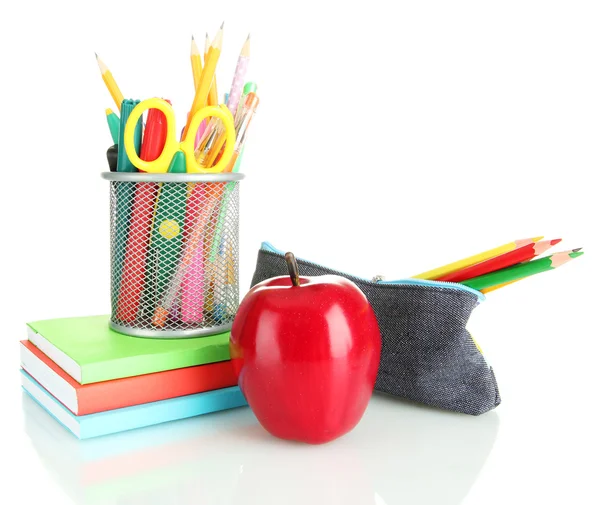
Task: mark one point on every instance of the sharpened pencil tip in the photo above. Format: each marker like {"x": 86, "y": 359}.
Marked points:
{"x": 192, "y": 37}
{"x": 555, "y": 241}
{"x": 222, "y": 25}
{"x": 578, "y": 249}
{"x": 96, "y": 55}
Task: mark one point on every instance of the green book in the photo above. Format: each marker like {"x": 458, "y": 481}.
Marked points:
{"x": 89, "y": 351}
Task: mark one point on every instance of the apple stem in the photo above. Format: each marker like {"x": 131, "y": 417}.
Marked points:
{"x": 290, "y": 259}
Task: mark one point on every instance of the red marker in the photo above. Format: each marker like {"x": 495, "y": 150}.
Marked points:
{"x": 155, "y": 135}
{"x": 132, "y": 278}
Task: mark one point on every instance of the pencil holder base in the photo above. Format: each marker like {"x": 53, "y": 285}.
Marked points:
{"x": 166, "y": 334}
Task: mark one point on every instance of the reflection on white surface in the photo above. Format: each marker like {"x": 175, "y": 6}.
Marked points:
{"x": 399, "y": 453}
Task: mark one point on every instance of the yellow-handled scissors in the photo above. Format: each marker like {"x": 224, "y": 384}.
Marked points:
{"x": 172, "y": 145}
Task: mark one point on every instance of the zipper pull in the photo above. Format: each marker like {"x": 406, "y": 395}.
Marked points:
{"x": 378, "y": 278}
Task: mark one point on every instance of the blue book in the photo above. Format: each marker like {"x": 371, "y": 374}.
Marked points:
{"x": 138, "y": 416}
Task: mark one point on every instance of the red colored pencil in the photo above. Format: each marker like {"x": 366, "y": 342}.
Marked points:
{"x": 508, "y": 259}
{"x": 132, "y": 279}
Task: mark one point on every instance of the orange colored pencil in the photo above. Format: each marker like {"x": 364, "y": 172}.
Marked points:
{"x": 519, "y": 255}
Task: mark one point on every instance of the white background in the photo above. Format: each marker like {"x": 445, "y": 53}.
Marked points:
{"x": 392, "y": 137}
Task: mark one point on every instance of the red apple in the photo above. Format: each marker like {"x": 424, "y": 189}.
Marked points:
{"x": 306, "y": 351}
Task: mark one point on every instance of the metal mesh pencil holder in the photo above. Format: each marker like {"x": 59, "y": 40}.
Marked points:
{"x": 174, "y": 253}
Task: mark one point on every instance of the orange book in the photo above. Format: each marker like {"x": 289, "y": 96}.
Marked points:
{"x": 118, "y": 393}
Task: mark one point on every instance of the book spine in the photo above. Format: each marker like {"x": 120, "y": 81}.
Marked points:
{"x": 130, "y": 418}
{"x": 120, "y": 393}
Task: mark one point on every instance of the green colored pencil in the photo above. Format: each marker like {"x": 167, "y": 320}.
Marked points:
{"x": 522, "y": 270}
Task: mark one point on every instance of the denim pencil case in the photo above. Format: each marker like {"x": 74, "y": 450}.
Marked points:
{"x": 427, "y": 354}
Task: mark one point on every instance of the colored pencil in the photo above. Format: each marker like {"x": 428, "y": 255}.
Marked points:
{"x": 196, "y": 60}
{"x": 192, "y": 291}
{"x": 110, "y": 82}
{"x": 206, "y": 78}
{"x": 494, "y": 288}
{"x": 238, "y": 77}
{"x": 477, "y": 258}
{"x": 522, "y": 270}
{"x": 525, "y": 253}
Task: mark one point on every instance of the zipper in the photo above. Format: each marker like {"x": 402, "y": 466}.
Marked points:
{"x": 379, "y": 279}
{"x": 437, "y": 284}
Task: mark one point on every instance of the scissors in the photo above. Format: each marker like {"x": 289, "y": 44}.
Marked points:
{"x": 172, "y": 145}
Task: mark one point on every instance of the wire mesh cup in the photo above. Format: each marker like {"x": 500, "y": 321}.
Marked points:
{"x": 174, "y": 253}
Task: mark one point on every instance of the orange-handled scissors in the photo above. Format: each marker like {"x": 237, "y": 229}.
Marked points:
{"x": 172, "y": 145}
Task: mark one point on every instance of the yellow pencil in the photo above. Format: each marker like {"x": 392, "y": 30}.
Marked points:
{"x": 206, "y": 46}
{"x": 472, "y": 260}
{"x": 196, "y": 60}
{"x": 206, "y": 78}
{"x": 213, "y": 97}
{"x": 110, "y": 82}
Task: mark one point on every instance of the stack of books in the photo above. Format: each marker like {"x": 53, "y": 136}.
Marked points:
{"x": 95, "y": 381}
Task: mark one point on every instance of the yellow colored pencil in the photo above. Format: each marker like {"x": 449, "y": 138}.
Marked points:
{"x": 213, "y": 97}
{"x": 477, "y": 258}
{"x": 110, "y": 82}
{"x": 206, "y": 79}
{"x": 196, "y": 60}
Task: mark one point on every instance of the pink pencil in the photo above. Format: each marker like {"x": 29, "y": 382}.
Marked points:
{"x": 238, "y": 77}
{"x": 192, "y": 288}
